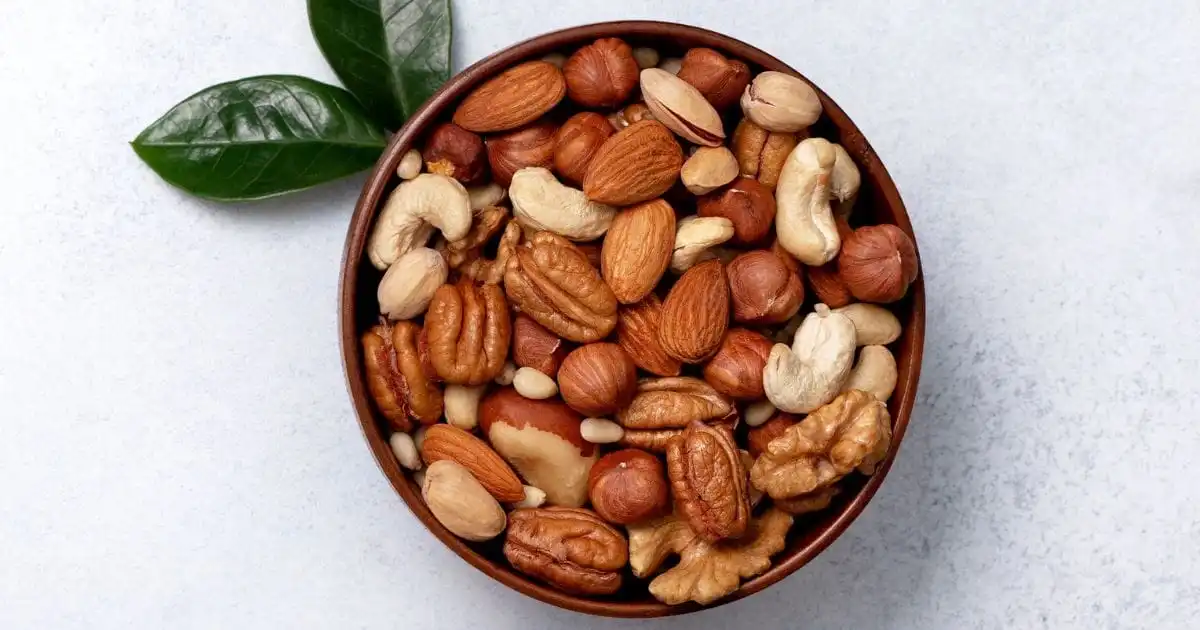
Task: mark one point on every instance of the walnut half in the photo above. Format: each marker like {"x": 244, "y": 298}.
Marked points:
{"x": 706, "y": 572}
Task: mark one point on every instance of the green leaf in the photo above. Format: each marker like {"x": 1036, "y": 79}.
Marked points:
{"x": 261, "y": 137}
{"x": 391, "y": 54}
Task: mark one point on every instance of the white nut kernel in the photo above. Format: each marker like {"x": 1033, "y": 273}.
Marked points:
{"x": 758, "y": 413}
{"x": 486, "y": 196}
{"x": 533, "y": 384}
{"x": 804, "y": 219}
{"x": 601, "y": 431}
{"x": 694, "y": 236}
{"x": 534, "y": 498}
{"x": 671, "y": 64}
{"x": 461, "y": 503}
{"x": 873, "y": 324}
{"x": 645, "y": 57}
{"x": 808, "y": 375}
{"x": 875, "y": 373}
{"x": 462, "y": 405}
{"x": 419, "y": 436}
{"x": 405, "y": 450}
{"x": 408, "y": 286}
{"x": 781, "y": 102}
{"x": 541, "y": 202}
{"x": 413, "y": 212}
{"x": 505, "y": 377}
{"x": 410, "y": 165}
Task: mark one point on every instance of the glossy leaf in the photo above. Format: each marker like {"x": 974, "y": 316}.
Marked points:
{"x": 260, "y": 137}
{"x": 391, "y": 54}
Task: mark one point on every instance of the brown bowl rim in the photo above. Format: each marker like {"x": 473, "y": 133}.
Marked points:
{"x": 383, "y": 172}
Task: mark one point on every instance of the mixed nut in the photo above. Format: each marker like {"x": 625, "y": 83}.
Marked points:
{"x": 593, "y": 331}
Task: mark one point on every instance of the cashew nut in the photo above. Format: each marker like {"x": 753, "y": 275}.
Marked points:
{"x": 405, "y": 450}
{"x": 804, "y": 219}
{"x": 408, "y": 285}
{"x": 844, "y": 181}
{"x": 541, "y": 202}
{"x": 808, "y": 375}
{"x": 694, "y": 236}
{"x": 411, "y": 214}
{"x": 486, "y": 196}
{"x": 873, "y": 325}
{"x": 462, "y": 405}
{"x": 875, "y": 373}
{"x": 533, "y": 384}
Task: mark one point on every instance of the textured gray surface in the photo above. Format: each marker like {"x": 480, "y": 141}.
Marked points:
{"x": 178, "y": 450}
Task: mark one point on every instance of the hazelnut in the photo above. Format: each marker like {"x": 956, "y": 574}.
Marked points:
{"x": 761, "y": 153}
{"x": 601, "y": 74}
{"x": 826, "y": 284}
{"x": 628, "y": 486}
{"x": 877, "y": 263}
{"x": 718, "y": 78}
{"x": 762, "y": 288}
{"x": 598, "y": 379}
{"x": 636, "y": 112}
{"x": 737, "y": 368}
{"x": 745, "y": 202}
{"x": 759, "y": 437}
{"x": 534, "y": 346}
{"x": 576, "y": 144}
{"x": 529, "y": 146}
{"x": 455, "y": 152}
{"x": 788, "y": 259}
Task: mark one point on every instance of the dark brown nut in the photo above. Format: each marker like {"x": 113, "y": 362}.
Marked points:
{"x": 597, "y": 379}
{"x": 673, "y": 403}
{"x": 601, "y": 74}
{"x": 762, "y": 288}
{"x": 554, "y": 283}
{"x": 577, "y": 142}
{"x": 877, "y": 263}
{"x": 455, "y": 152}
{"x": 569, "y": 548}
{"x": 534, "y": 346}
{"x": 695, "y": 314}
{"x": 745, "y": 202}
{"x": 515, "y": 150}
{"x": 401, "y": 389}
{"x": 629, "y": 486}
{"x": 721, "y": 80}
{"x": 709, "y": 482}
{"x": 761, "y": 153}
{"x": 635, "y": 112}
{"x": 486, "y": 224}
{"x": 491, "y": 271}
{"x": 737, "y": 368}
{"x": 851, "y": 433}
{"x": 469, "y": 332}
{"x": 637, "y": 333}
{"x": 826, "y": 284}
{"x": 759, "y": 437}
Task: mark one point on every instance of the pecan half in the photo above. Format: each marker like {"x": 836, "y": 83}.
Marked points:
{"x": 852, "y": 432}
{"x": 554, "y": 283}
{"x": 673, "y": 403}
{"x": 402, "y": 390}
{"x": 469, "y": 332}
{"x": 709, "y": 482}
{"x": 570, "y": 548}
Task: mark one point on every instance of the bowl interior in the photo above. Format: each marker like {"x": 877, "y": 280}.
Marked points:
{"x": 879, "y": 202}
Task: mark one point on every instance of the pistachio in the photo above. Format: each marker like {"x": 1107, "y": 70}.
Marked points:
{"x": 681, "y": 107}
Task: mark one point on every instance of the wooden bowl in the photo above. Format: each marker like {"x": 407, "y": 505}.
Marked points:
{"x": 878, "y": 202}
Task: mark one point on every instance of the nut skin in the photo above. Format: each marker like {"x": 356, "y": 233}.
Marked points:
{"x": 637, "y": 333}
{"x": 541, "y": 439}
{"x": 469, "y": 331}
{"x": 569, "y": 548}
{"x": 761, "y": 153}
{"x": 634, "y": 112}
{"x": 709, "y": 482}
{"x": 601, "y": 74}
{"x": 535, "y": 347}
{"x": 745, "y": 202}
{"x": 515, "y": 150}
{"x": 597, "y": 379}
{"x": 399, "y": 385}
{"x": 576, "y": 144}
{"x": 444, "y": 442}
{"x": 826, "y": 284}
{"x": 512, "y": 99}
{"x": 878, "y": 263}
{"x": 696, "y": 313}
{"x": 763, "y": 290}
{"x": 629, "y": 486}
{"x": 455, "y": 152}
{"x": 736, "y": 369}
{"x": 554, "y": 283}
{"x": 636, "y": 164}
{"x": 759, "y": 437}
{"x": 721, "y": 80}
{"x": 637, "y": 249}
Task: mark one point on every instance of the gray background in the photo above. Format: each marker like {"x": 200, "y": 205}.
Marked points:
{"x": 178, "y": 450}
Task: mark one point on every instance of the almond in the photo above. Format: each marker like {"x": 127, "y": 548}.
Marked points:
{"x": 637, "y": 334}
{"x": 696, "y": 313}
{"x": 637, "y": 249}
{"x": 445, "y": 442}
{"x": 637, "y": 164}
{"x": 517, "y": 97}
